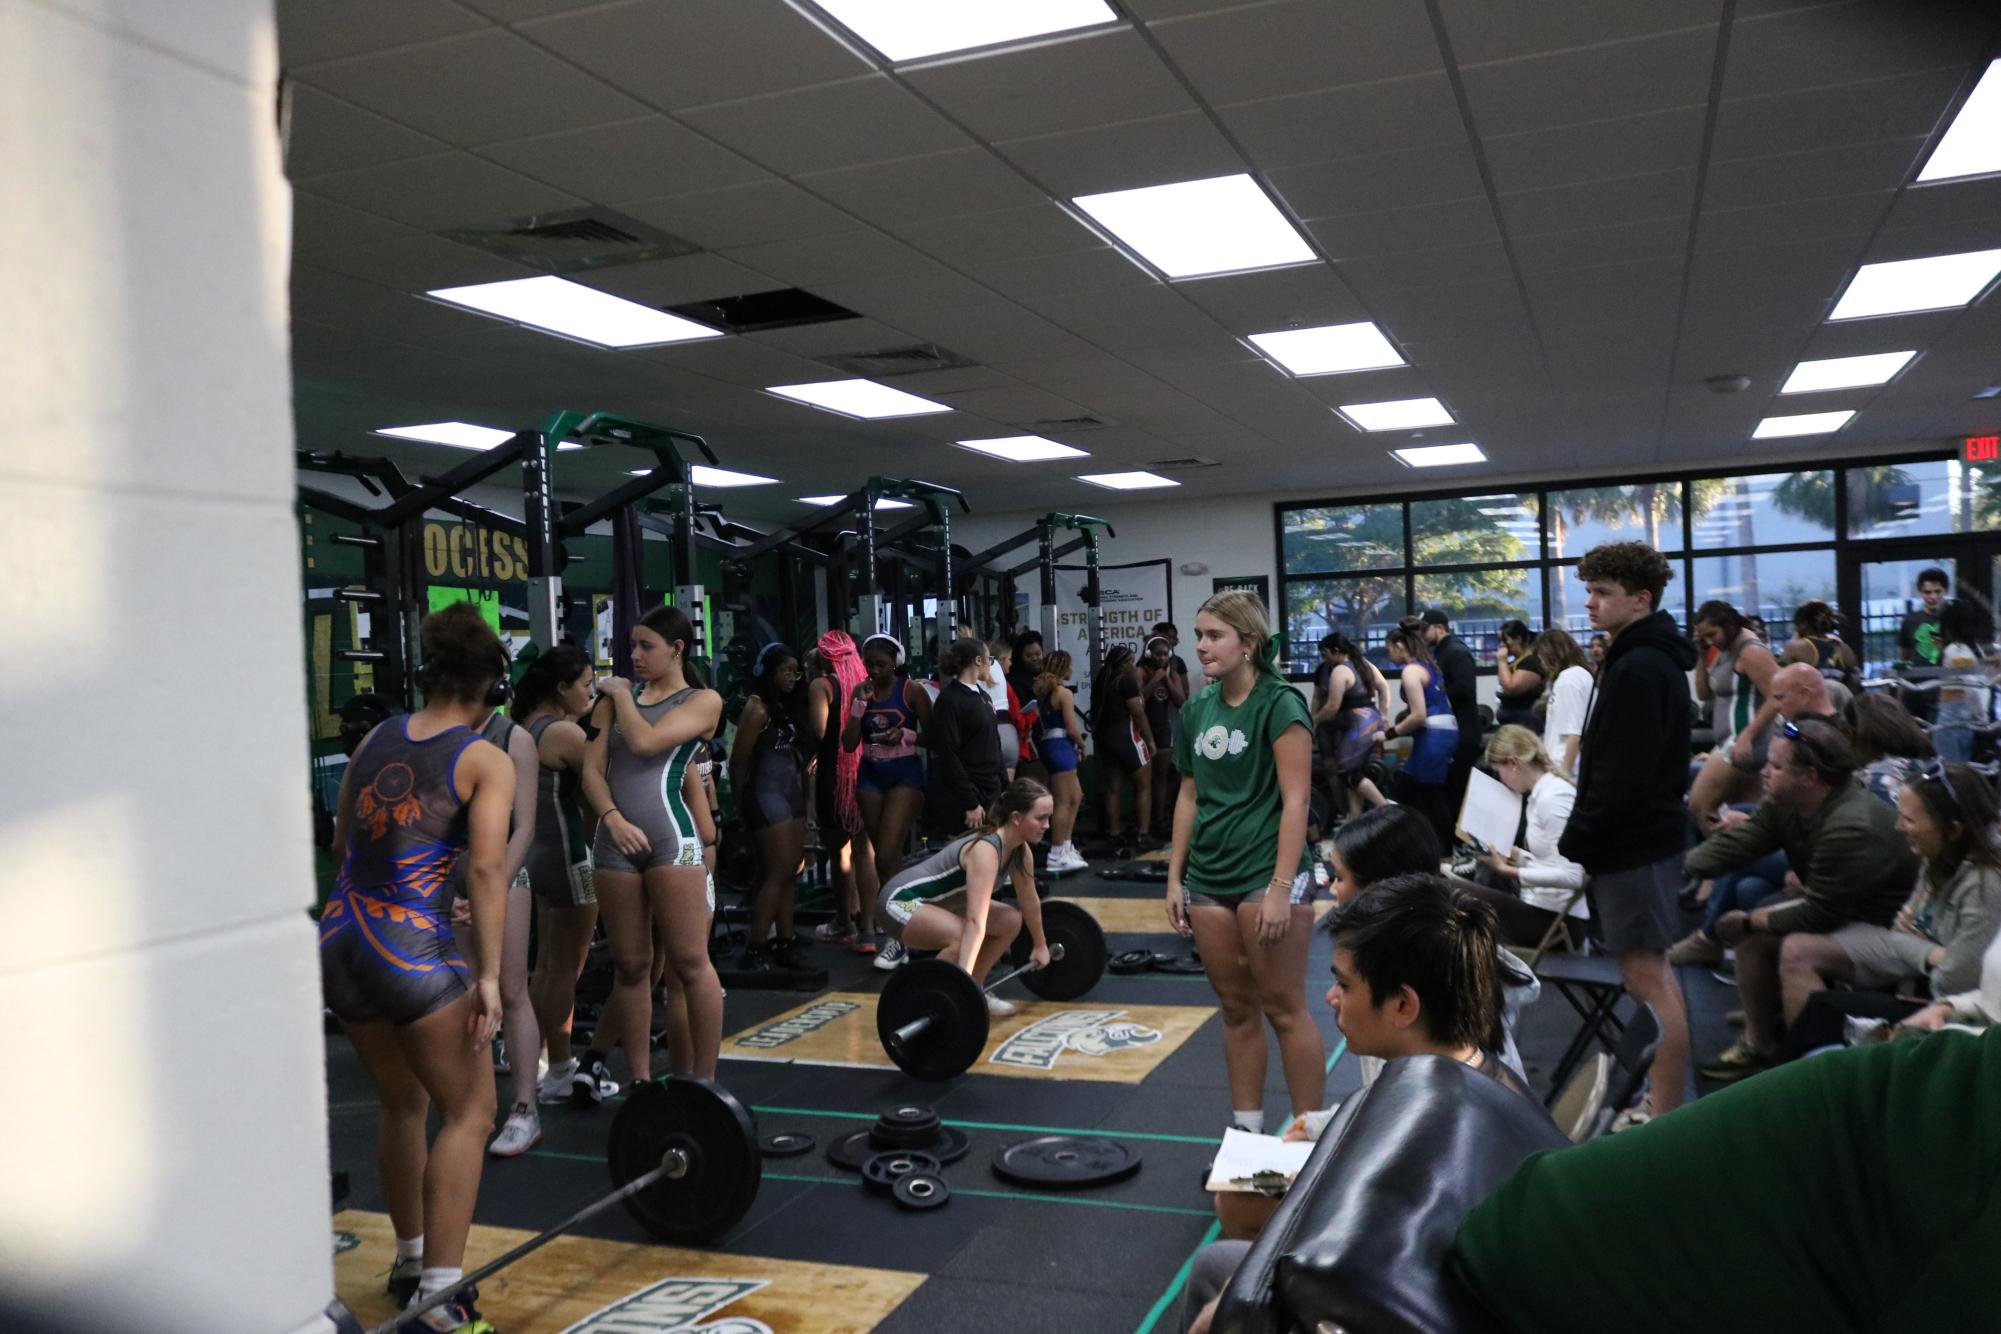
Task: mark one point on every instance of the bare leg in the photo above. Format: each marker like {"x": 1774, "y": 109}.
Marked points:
{"x": 627, "y": 1020}
{"x": 1808, "y": 964}
{"x": 861, "y": 856}
{"x": 892, "y": 837}
{"x": 459, "y": 1079}
{"x": 680, "y": 899}
{"x": 1279, "y": 972}
{"x": 1648, "y": 978}
{"x": 1719, "y": 782}
{"x": 1222, "y": 950}
{"x": 400, "y": 1148}
{"x": 1114, "y": 796}
{"x": 779, "y": 848}
{"x": 1164, "y": 791}
{"x": 1069, "y": 795}
{"x": 675, "y": 1035}
{"x": 1003, "y": 925}
{"x": 1143, "y": 799}
{"x": 565, "y": 944}
{"x": 517, "y": 1008}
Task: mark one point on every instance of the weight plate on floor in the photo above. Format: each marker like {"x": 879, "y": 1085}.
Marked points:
{"x": 718, "y": 1164}
{"x": 882, "y": 1170}
{"x": 1127, "y": 962}
{"x": 905, "y": 1127}
{"x": 852, "y": 1150}
{"x": 1177, "y": 963}
{"x": 1084, "y": 954}
{"x": 940, "y": 992}
{"x": 786, "y": 1144}
{"x": 1066, "y": 1162}
{"x": 921, "y": 1190}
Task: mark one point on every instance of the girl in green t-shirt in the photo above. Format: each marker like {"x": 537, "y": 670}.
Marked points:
{"x": 1237, "y": 879}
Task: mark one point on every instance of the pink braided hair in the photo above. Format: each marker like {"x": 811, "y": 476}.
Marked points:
{"x": 837, "y": 650}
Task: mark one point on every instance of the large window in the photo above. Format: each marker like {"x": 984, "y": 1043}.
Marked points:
{"x": 1763, "y": 541}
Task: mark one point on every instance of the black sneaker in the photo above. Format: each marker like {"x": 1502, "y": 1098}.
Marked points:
{"x": 791, "y": 952}
{"x": 457, "y": 1316}
{"x": 592, "y": 1085}
{"x": 754, "y": 959}
{"x": 403, "y": 1277}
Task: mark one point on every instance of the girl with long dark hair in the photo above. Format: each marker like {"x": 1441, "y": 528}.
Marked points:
{"x": 1125, "y": 740}
{"x": 768, "y": 774}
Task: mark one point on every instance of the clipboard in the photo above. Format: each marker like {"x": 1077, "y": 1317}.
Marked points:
{"x": 1491, "y": 813}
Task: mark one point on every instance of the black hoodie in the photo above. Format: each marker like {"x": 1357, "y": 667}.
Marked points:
{"x": 1632, "y": 762}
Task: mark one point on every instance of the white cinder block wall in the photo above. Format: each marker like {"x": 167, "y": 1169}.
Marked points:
{"x": 163, "y": 1135}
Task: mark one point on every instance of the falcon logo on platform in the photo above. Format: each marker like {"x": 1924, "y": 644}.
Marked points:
{"x": 808, "y": 1020}
{"x": 672, "y": 1306}
{"x": 1090, "y": 1032}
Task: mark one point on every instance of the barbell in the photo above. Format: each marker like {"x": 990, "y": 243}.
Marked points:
{"x": 684, "y": 1161}
{"x": 932, "y": 1017}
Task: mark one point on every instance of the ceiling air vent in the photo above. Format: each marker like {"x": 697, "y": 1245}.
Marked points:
{"x": 898, "y": 361}
{"x": 574, "y": 242}
{"x": 787, "y": 308}
{"x": 1187, "y": 464}
{"x": 1062, "y": 424}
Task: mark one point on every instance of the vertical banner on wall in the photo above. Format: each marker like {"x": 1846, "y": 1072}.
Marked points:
{"x": 1134, "y": 598}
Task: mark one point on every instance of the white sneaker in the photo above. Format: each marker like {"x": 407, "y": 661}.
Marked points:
{"x": 522, "y": 1132}
{"x": 1000, "y": 1009}
{"x": 890, "y": 956}
{"x": 555, "y": 1086}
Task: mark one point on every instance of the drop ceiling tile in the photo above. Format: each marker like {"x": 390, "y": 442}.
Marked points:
{"x": 1035, "y": 279}
{"x": 1132, "y": 317}
{"x": 1454, "y": 310}
{"x": 1298, "y": 46}
{"x": 310, "y": 31}
{"x": 742, "y": 215}
{"x": 1599, "y": 203}
{"x": 740, "y": 361}
{"x": 479, "y": 88}
{"x": 917, "y": 189}
{"x": 970, "y": 239}
{"x": 1427, "y": 227}
{"x": 1466, "y": 265}
{"x": 991, "y": 331}
{"x": 321, "y": 224}
{"x": 1948, "y": 204}
{"x": 1149, "y": 11}
{"x": 634, "y": 159}
{"x": 1644, "y": 293}
{"x": 1848, "y": 169}
{"x": 331, "y": 135}
{"x": 1125, "y": 157}
{"x": 844, "y": 260}
{"x": 518, "y": 11}
{"x": 1015, "y": 405}
{"x": 834, "y": 338}
{"x": 827, "y": 127}
{"x": 1651, "y": 238}
{"x": 1573, "y": 154}
{"x": 1810, "y": 48}
{"x": 678, "y": 280}
{"x": 1380, "y": 181}
{"x": 1418, "y": 111}
{"x": 1904, "y": 106}
{"x": 1841, "y": 216}
{"x": 1094, "y": 79}
{"x": 1277, "y": 299}
{"x": 436, "y": 193}
{"x": 1489, "y": 30}
{"x": 1597, "y": 83}
{"x": 418, "y": 263}
{"x": 693, "y": 52}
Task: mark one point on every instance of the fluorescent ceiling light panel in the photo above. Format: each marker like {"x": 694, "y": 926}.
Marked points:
{"x": 1811, "y": 377}
{"x": 1972, "y": 147}
{"x": 1331, "y": 349}
{"x": 559, "y": 306}
{"x": 914, "y": 29}
{"x": 1401, "y": 414}
{"x": 1126, "y": 481}
{"x": 1805, "y": 423}
{"x": 1225, "y": 224}
{"x": 1022, "y": 448}
{"x": 1908, "y": 286}
{"x": 882, "y": 502}
{"x": 864, "y": 399}
{"x": 1440, "y": 456}
{"x": 703, "y": 475}
{"x": 459, "y": 435}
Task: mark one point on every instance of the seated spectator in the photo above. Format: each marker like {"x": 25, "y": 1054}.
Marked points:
{"x": 1887, "y": 742}
{"x": 1542, "y": 882}
{"x": 1414, "y": 975}
{"x": 1817, "y": 642}
{"x": 1846, "y": 857}
{"x": 1976, "y": 1009}
{"x": 1569, "y": 695}
{"x": 1735, "y": 685}
{"x": 1392, "y": 841}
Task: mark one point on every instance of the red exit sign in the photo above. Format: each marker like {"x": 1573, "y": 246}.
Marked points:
{"x": 1983, "y": 448}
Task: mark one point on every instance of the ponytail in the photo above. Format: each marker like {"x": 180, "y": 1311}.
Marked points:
{"x": 546, "y": 677}
{"x": 1017, "y": 798}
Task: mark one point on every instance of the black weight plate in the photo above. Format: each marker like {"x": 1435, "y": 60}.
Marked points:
{"x": 1084, "y": 953}
{"x": 1066, "y": 1162}
{"x": 852, "y": 1150}
{"x": 714, "y": 1133}
{"x": 882, "y": 1170}
{"x": 905, "y": 1127}
{"x": 1176, "y": 963}
{"x": 941, "y": 992}
{"x": 786, "y": 1144}
{"x": 1127, "y": 962}
{"x": 921, "y": 1190}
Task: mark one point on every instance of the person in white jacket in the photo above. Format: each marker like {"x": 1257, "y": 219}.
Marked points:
{"x": 1546, "y": 882}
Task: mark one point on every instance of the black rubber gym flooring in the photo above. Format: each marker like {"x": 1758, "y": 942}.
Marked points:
{"x": 998, "y": 1257}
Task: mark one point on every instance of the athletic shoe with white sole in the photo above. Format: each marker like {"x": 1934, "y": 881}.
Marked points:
{"x": 593, "y": 1084}
{"x": 1001, "y": 1009}
{"x": 403, "y": 1277}
{"x": 555, "y": 1087}
{"x": 891, "y": 955}
{"x": 521, "y": 1132}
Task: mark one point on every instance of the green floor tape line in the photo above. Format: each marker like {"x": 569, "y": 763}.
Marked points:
{"x": 1340, "y": 1050}
{"x": 1174, "y": 1286}
{"x": 1211, "y": 1140}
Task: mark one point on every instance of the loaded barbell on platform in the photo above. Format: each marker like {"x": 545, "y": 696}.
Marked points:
{"x": 684, "y": 1160}
{"x": 932, "y": 1017}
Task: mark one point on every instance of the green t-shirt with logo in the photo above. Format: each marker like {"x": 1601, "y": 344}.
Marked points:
{"x": 1237, "y": 803}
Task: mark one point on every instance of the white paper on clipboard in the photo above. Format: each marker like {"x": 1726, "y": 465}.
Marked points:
{"x": 1491, "y": 813}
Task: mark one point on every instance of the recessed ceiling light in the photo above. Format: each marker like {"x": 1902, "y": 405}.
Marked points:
{"x": 1331, "y": 349}
{"x": 1400, "y": 414}
{"x": 703, "y": 475}
{"x": 1126, "y": 481}
{"x": 1908, "y": 286}
{"x": 1972, "y": 146}
{"x": 1225, "y": 224}
{"x": 459, "y": 435}
{"x": 1022, "y": 448}
{"x": 1845, "y": 372}
{"x": 559, "y": 306}
{"x": 882, "y": 502}
{"x": 863, "y": 399}
{"x": 1439, "y": 456}
{"x": 913, "y": 29}
{"x": 1805, "y": 423}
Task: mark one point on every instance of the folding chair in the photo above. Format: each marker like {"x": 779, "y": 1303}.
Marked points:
{"x": 1630, "y": 1063}
{"x": 1591, "y": 983}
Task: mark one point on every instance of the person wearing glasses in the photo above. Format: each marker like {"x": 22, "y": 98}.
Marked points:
{"x": 1847, "y": 859}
